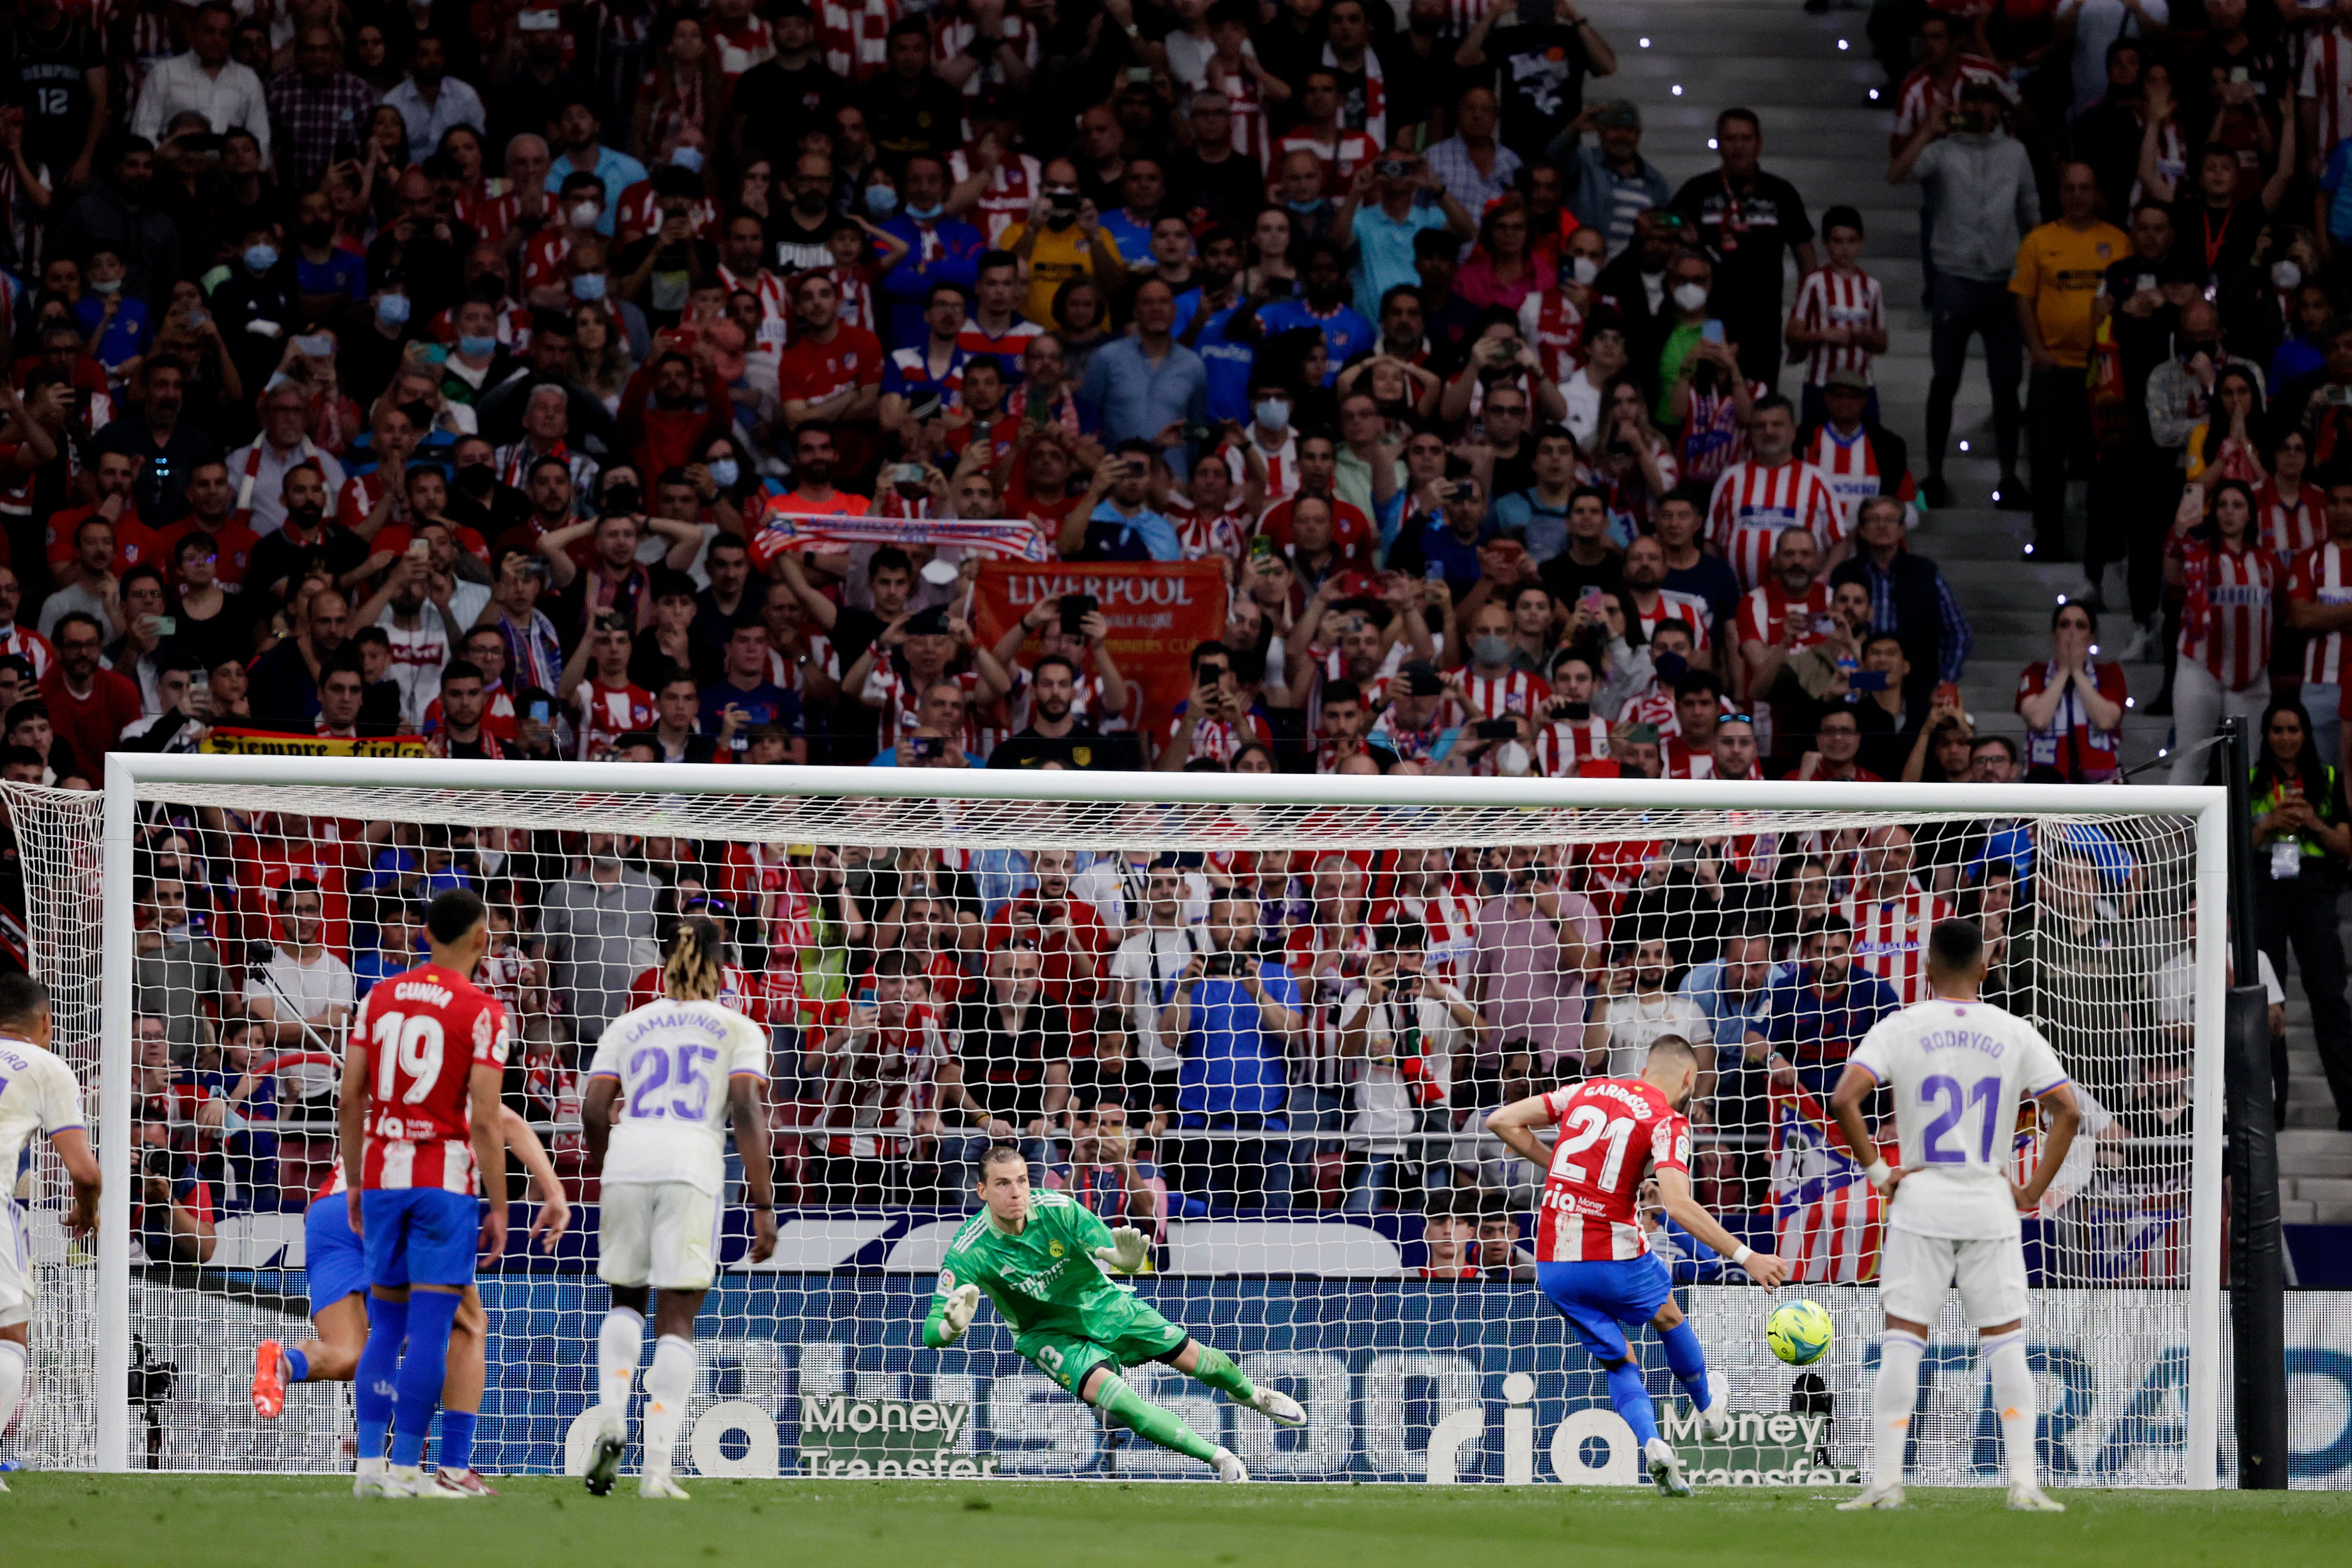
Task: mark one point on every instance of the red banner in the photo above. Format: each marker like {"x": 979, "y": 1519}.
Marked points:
{"x": 1158, "y": 610}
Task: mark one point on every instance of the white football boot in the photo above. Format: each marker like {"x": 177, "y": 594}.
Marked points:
{"x": 2034, "y": 1499}
{"x": 661, "y": 1485}
{"x": 1229, "y": 1465}
{"x": 1716, "y": 1419}
{"x": 1277, "y": 1407}
{"x": 1666, "y": 1467}
{"x": 1873, "y": 1497}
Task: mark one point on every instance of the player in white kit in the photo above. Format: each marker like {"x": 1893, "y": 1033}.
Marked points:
{"x": 1957, "y": 1069}
{"x": 679, "y": 1068}
{"x": 38, "y": 1094}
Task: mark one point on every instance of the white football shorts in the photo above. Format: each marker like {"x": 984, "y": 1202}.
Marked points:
{"x": 1915, "y": 1270}
{"x": 662, "y": 1234}
{"x": 15, "y": 1264}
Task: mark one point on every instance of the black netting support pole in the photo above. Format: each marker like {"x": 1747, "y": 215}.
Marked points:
{"x": 2257, "y": 1268}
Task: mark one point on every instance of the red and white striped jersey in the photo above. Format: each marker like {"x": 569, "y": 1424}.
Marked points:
{"x": 1012, "y": 185}
{"x": 774, "y": 295}
{"x": 1828, "y": 298}
{"x": 1754, "y": 504}
{"x": 425, "y": 1031}
{"x": 1251, "y": 135}
{"x": 1449, "y": 925}
{"x": 1850, "y": 463}
{"x": 637, "y": 213}
{"x": 1890, "y": 937}
{"x": 1920, "y": 97}
{"x": 1498, "y": 696}
{"x": 608, "y": 713}
{"x": 2227, "y": 623}
{"x": 901, "y": 704}
{"x": 821, "y": 656}
{"x": 1613, "y": 1132}
{"x": 489, "y": 216}
{"x": 952, "y": 35}
{"x": 1679, "y": 761}
{"x": 543, "y": 255}
{"x": 1086, "y": 703}
{"x": 24, "y": 643}
{"x": 1008, "y": 346}
{"x": 853, "y": 35}
{"x": 2322, "y": 575}
{"x": 2292, "y": 525}
{"x": 1281, "y": 465}
{"x": 1564, "y": 743}
{"x": 1219, "y": 537}
{"x": 1764, "y": 609}
{"x": 1219, "y": 737}
{"x": 1687, "y": 608}
{"x": 881, "y": 1081}
{"x": 741, "y": 45}
{"x": 2328, "y": 82}
{"x": 1553, "y": 326}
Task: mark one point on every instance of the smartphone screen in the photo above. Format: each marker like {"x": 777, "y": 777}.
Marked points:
{"x": 1711, "y": 331}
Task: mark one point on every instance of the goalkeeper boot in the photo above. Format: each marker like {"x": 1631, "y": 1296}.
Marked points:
{"x": 269, "y": 1380}
{"x": 603, "y": 1462}
{"x": 2034, "y": 1499}
{"x": 1277, "y": 1407}
{"x": 661, "y": 1485}
{"x": 1666, "y": 1467}
{"x": 468, "y": 1481}
{"x": 369, "y": 1476}
{"x": 1716, "y": 1419}
{"x": 413, "y": 1481}
{"x": 1873, "y": 1497}
{"x": 1229, "y": 1465}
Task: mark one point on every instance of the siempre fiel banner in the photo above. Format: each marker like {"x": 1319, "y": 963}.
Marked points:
{"x": 265, "y": 743}
{"x": 1157, "y": 611}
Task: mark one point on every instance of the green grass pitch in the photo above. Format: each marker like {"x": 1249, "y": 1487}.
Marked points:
{"x": 166, "y": 1522}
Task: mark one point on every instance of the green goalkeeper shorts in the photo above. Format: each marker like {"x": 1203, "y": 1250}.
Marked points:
{"x": 1124, "y": 1336}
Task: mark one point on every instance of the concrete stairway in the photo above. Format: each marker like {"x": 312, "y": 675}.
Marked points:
{"x": 1810, "y": 78}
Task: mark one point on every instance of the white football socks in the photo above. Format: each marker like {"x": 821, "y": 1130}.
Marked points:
{"x": 669, "y": 1383}
{"x": 1892, "y": 1398}
{"x": 2013, "y": 1396}
{"x": 12, "y": 1379}
{"x": 618, "y": 1344}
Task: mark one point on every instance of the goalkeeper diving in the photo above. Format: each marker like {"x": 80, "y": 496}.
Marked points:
{"x": 1046, "y": 1261}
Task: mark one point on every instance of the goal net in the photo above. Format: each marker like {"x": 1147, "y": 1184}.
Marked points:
{"x": 1261, "y": 1019}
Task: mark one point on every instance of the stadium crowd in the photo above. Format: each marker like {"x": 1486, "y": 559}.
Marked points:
{"x": 662, "y": 384}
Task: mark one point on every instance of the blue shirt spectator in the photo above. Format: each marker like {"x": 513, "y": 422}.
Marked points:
{"x": 1229, "y": 360}
{"x": 1114, "y": 534}
{"x": 1541, "y": 527}
{"x": 766, "y": 703}
{"x": 127, "y": 336}
{"x": 1134, "y": 390}
{"x": 341, "y": 273}
{"x": 1230, "y": 1066}
{"x": 942, "y": 250}
{"x": 613, "y": 167}
{"x": 1384, "y": 249}
{"x": 2334, "y": 183}
{"x": 1814, "y": 1018}
{"x": 1733, "y": 992}
{"x": 1344, "y": 333}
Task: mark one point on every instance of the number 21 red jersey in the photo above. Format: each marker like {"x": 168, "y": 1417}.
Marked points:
{"x": 426, "y": 1030}
{"x": 1613, "y": 1133}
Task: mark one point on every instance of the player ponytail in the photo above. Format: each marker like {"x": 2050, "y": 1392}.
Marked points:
{"x": 697, "y": 961}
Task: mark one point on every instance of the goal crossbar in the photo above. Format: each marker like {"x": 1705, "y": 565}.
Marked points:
{"x": 776, "y": 804}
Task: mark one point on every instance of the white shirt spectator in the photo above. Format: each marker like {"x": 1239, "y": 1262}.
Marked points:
{"x": 227, "y": 99}
{"x": 1152, "y": 959}
{"x": 459, "y": 104}
{"x": 312, "y": 987}
{"x": 1635, "y": 1021}
{"x": 259, "y": 471}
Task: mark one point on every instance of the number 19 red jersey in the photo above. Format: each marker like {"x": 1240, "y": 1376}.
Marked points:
{"x": 1613, "y": 1133}
{"x": 425, "y": 1031}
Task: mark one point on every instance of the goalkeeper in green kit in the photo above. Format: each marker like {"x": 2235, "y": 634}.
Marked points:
{"x": 1044, "y": 1259}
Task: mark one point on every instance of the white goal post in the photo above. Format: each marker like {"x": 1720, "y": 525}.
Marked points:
{"x": 1103, "y": 812}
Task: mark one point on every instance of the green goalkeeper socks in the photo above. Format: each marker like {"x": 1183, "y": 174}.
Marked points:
{"x": 1115, "y": 1398}
{"x": 1216, "y": 1369}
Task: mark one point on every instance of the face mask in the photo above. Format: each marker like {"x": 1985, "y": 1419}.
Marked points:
{"x": 305, "y": 517}
{"x": 392, "y": 310}
{"x": 1690, "y": 297}
{"x": 1304, "y": 206}
{"x": 1491, "y": 649}
{"x": 724, "y": 472}
{"x": 476, "y": 479}
{"x": 475, "y": 346}
{"x": 623, "y": 497}
{"x": 810, "y": 201}
{"x": 607, "y": 860}
{"x": 1272, "y": 413}
{"x": 881, "y": 201}
{"x": 2286, "y": 274}
{"x": 261, "y": 257}
{"x": 106, "y": 290}
{"x": 588, "y": 286}
{"x": 1587, "y": 269}
{"x": 687, "y": 158}
{"x": 1671, "y": 667}
{"x": 925, "y": 215}
{"x": 1511, "y": 759}
{"x": 585, "y": 214}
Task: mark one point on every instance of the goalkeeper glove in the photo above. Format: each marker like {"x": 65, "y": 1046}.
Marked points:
{"x": 1127, "y": 1251}
{"x": 962, "y": 1302}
